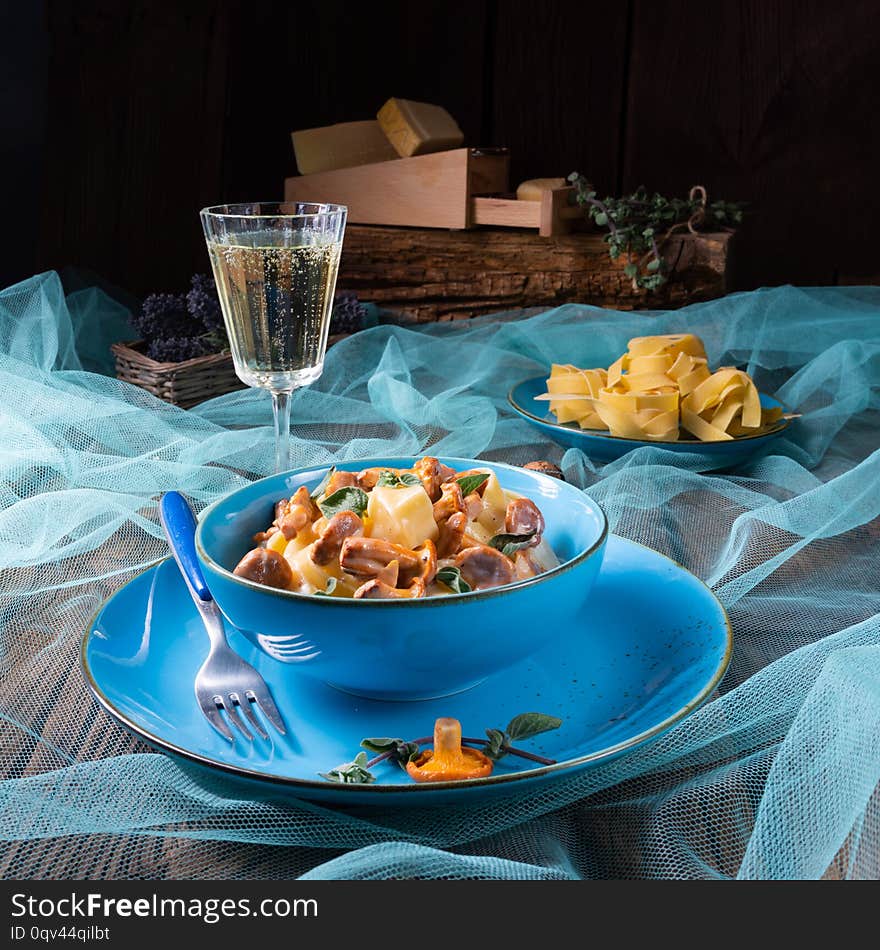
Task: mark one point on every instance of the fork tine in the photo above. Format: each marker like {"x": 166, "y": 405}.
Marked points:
{"x": 236, "y": 720}
{"x": 212, "y": 714}
{"x": 244, "y": 705}
{"x": 270, "y": 710}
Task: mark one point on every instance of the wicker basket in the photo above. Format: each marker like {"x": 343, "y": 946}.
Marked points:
{"x": 182, "y": 384}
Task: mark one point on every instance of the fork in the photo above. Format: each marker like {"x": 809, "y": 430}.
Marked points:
{"x": 225, "y": 681}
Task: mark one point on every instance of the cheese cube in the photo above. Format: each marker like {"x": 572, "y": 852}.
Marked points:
{"x": 341, "y": 146}
{"x": 416, "y": 128}
{"x": 401, "y": 515}
{"x": 534, "y": 188}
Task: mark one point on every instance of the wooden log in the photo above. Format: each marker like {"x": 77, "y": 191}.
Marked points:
{"x": 428, "y": 275}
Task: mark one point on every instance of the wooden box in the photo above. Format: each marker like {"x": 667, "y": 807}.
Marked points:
{"x": 457, "y": 189}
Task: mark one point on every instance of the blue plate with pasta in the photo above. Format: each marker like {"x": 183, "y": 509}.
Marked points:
{"x": 603, "y": 447}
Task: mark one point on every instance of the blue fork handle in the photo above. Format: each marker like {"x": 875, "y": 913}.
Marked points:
{"x": 179, "y": 523}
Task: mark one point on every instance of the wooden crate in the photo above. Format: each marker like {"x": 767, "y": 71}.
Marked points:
{"x": 460, "y": 188}
{"x": 426, "y": 275}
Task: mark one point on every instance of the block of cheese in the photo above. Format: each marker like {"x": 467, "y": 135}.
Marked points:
{"x": 401, "y": 515}
{"x": 341, "y": 146}
{"x": 534, "y": 188}
{"x": 416, "y": 128}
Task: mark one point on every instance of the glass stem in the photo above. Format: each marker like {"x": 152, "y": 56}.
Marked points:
{"x": 281, "y": 414}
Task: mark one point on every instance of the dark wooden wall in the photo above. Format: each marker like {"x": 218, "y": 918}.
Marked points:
{"x": 156, "y": 109}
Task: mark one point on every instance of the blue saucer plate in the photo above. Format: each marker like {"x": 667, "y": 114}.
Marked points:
{"x": 650, "y": 646}
{"x": 603, "y": 447}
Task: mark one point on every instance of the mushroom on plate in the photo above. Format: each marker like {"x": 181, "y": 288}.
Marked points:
{"x": 449, "y": 760}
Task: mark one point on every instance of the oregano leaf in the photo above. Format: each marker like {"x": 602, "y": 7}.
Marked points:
{"x": 387, "y": 478}
{"x": 509, "y": 544}
{"x": 451, "y": 577}
{"x": 351, "y": 773}
{"x": 470, "y": 483}
{"x": 345, "y": 499}
{"x": 325, "y": 481}
{"x": 494, "y": 749}
{"x": 529, "y": 724}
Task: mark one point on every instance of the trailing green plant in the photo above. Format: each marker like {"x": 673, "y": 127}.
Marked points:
{"x": 640, "y": 223}
{"x": 499, "y": 742}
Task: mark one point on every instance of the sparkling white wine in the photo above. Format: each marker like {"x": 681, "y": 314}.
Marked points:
{"x": 276, "y": 292}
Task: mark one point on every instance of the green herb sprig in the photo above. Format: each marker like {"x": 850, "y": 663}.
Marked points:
{"x": 509, "y": 544}
{"x": 394, "y": 750}
{"x": 497, "y": 744}
{"x": 322, "y": 485}
{"x": 639, "y": 224}
{"x": 393, "y": 480}
{"x": 470, "y": 483}
{"x": 345, "y": 499}
{"x": 451, "y": 577}
{"x": 523, "y": 726}
{"x": 351, "y": 773}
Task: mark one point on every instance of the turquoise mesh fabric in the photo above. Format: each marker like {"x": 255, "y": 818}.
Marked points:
{"x": 777, "y": 777}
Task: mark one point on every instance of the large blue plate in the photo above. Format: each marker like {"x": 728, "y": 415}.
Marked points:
{"x": 649, "y": 648}
{"x": 605, "y": 448}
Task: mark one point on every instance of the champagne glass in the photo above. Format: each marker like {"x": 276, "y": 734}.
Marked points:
{"x": 275, "y": 265}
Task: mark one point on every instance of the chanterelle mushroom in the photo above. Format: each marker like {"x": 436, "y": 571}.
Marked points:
{"x": 483, "y": 567}
{"x": 473, "y": 504}
{"x": 367, "y": 477}
{"x": 366, "y": 557}
{"x": 390, "y": 574}
{"x": 378, "y": 590}
{"x": 344, "y": 524}
{"x": 451, "y": 534}
{"x": 546, "y": 468}
{"x": 449, "y": 760}
{"x": 449, "y": 503}
{"x": 523, "y": 517}
{"x": 427, "y": 554}
{"x": 340, "y": 480}
{"x": 432, "y": 474}
{"x": 292, "y": 516}
{"x": 267, "y": 567}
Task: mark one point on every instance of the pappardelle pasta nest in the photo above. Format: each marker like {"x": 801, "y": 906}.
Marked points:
{"x": 385, "y": 533}
{"x": 661, "y": 390}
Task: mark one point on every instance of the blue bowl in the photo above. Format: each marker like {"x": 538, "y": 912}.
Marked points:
{"x": 404, "y": 649}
